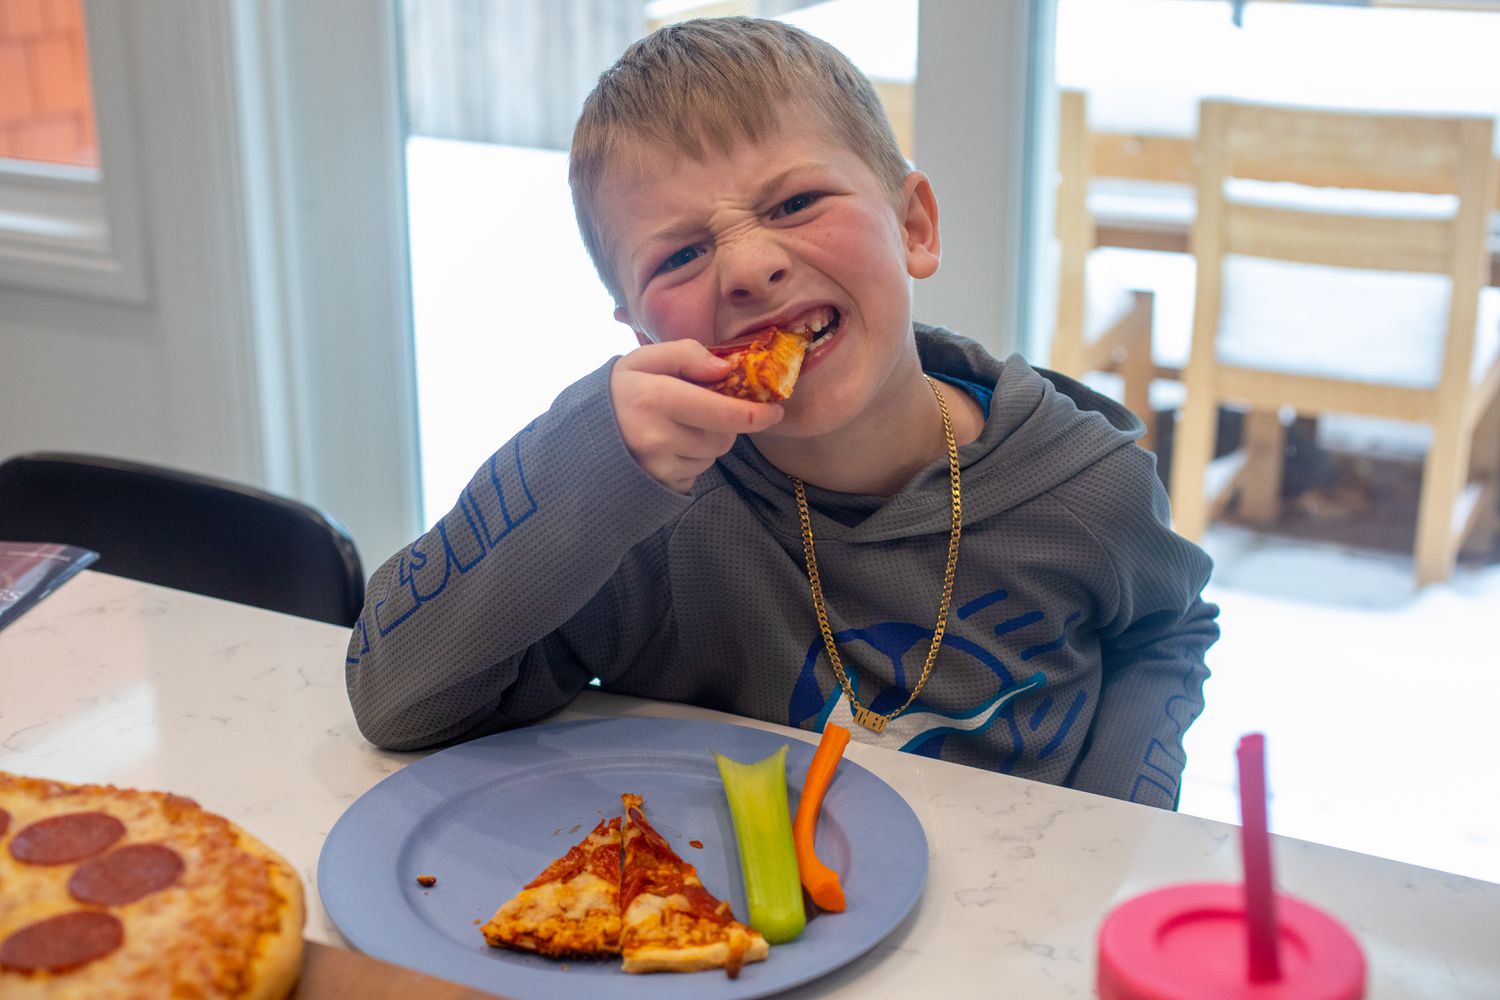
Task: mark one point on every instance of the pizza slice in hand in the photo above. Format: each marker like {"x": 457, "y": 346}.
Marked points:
{"x": 572, "y": 909}
{"x": 671, "y": 922}
{"x": 766, "y": 365}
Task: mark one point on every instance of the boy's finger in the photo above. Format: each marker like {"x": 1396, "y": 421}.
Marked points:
{"x": 700, "y": 407}
{"x": 683, "y": 358}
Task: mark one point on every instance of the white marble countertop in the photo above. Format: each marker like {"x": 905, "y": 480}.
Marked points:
{"x": 110, "y": 680}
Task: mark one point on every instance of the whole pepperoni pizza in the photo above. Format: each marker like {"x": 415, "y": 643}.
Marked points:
{"x": 113, "y": 894}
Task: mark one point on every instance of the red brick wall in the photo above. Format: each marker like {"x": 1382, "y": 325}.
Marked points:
{"x": 46, "y": 109}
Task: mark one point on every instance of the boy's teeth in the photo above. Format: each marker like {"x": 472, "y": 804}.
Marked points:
{"x": 813, "y": 325}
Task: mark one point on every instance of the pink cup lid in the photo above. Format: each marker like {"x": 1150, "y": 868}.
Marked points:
{"x": 1187, "y": 942}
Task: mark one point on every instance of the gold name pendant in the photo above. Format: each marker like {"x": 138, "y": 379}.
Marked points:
{"x": 870, "y": 720}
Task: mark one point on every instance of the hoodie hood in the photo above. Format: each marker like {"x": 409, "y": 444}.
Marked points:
{"x": 1042, "y": 430}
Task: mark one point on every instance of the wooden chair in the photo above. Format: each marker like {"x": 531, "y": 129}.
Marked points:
{"x": 1101, "y": 326}
{"x": 1322, "y": 291}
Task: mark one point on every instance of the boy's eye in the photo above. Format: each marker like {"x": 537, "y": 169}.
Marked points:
{"x": 795, "y": 204}
{"x": 681, "y": 258}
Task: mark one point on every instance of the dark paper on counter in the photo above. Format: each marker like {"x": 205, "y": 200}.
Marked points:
{"x": 29, "y": 571}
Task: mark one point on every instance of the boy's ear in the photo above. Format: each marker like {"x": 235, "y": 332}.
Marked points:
{"x": 622, "y": 315}
{"x": 920, "y": 223}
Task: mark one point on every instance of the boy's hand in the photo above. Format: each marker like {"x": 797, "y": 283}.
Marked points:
{"x": 673, "y": 427}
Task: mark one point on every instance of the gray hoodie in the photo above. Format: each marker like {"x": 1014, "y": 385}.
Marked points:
{"x": 1074, "y": 650}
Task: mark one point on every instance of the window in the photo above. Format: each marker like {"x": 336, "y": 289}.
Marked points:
{"x": 491, "y": 93}
{"x": 46, "y": 109}
{"x": 68, "y": 215}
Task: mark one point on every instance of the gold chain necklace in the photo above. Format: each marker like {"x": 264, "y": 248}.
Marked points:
{"x": 865, "y": 717}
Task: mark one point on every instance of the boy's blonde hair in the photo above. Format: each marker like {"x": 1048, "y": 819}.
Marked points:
{"x": 702, "y": 86}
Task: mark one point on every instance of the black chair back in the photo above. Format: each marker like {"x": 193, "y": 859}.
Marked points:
{"x": 189, "y": 532}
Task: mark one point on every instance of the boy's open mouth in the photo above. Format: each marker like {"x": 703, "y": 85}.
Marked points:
{"x": 820, "y": 324}
{"x": 828, "y": 328}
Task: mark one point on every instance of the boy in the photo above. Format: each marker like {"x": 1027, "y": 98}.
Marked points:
{"x": 797, "y": 562}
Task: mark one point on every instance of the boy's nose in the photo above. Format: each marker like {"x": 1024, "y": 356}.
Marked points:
{"x": 751, "y": 268}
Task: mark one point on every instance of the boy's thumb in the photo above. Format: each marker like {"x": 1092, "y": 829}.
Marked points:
{"x": 699, "y": 365}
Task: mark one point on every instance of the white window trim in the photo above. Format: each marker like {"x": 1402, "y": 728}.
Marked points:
{"x": 985, "y": 123}
{"x": 78, "y": 230}
{"x": 322, "y": 174}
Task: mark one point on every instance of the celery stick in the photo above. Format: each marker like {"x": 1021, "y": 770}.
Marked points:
{"x": 763, "y": 830}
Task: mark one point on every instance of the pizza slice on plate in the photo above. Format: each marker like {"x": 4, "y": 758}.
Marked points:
{"x": 766, "y": 365}
{"x": 671, "y": 923}
{"x": 572, "y": 909}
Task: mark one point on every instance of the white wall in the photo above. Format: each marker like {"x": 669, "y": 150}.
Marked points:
{"x": 269, "y": 348}
{"x": 165, "y": 381}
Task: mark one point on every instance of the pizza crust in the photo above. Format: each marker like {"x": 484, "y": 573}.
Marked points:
{"x": 694, "y": 958}
{"x": 278, "y": 962}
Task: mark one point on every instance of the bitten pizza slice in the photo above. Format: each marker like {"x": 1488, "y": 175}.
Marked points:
{"x": 572, "y": 909}
{"x": 766, "y": 365}
{"x": 671, "y": 922}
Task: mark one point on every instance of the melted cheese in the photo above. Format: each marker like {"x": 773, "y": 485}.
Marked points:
{"x": 578, "y": 916}
{"x": 765, "y": 372}
{"x": 230, "y": 925}
{"x": 664, "y": 931}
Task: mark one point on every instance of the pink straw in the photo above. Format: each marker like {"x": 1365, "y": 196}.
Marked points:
{"x": 1255, "y": 847}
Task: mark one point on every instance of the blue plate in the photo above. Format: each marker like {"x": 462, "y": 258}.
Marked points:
{"x": 486, "y": 816}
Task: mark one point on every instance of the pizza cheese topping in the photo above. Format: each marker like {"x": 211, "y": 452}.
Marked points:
{"x": 597, "y": 854}
{"x": 671, "y": 923}
{"x": 652, "y": 866}
{"x": 571, "y": 909}
{"x": 117, "y": 894}
{"x": 766, "y": 365}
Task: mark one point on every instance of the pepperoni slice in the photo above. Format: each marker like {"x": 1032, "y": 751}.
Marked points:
{"x": 4, "y": 822}
{"x": 70, "y": 837}
{"x": 64, "y": 942}
{"x": 125, "y": 874}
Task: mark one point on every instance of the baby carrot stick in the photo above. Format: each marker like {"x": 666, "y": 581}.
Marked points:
{"x": 820, "y": 881}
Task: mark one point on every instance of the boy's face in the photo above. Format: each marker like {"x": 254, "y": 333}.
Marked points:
{"x": 790, "y": 231}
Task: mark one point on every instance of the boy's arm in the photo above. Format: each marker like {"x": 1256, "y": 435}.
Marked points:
{"x": 1152, "y": 645}
{"x": 523, "y": 592}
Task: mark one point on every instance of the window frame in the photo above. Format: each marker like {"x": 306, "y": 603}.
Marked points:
{"x": 985, "y": 123}
{"x": 78, "y": 230}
